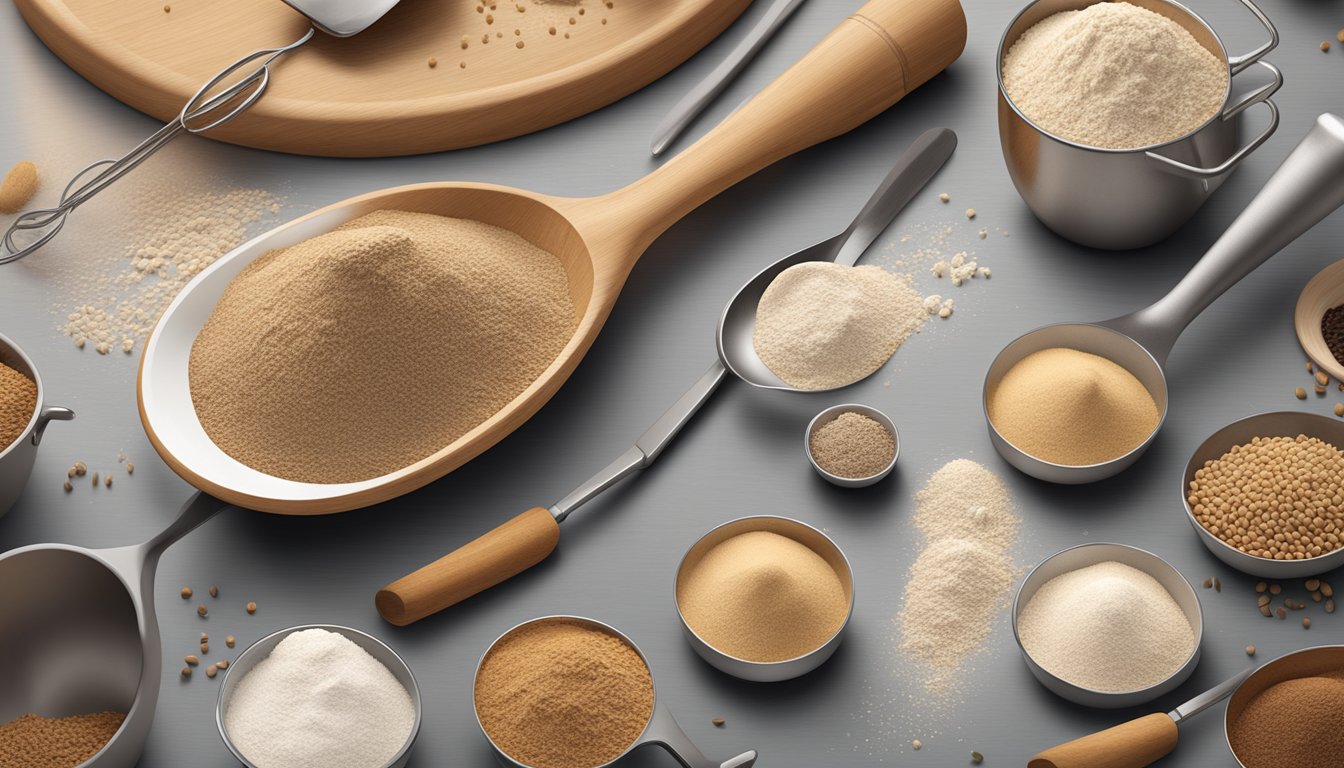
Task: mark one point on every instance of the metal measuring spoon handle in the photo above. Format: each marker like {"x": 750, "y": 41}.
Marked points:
{"x": 1302, "y": 192}
{"x": 699, "y": 97}
{"x": 202, "y": 112}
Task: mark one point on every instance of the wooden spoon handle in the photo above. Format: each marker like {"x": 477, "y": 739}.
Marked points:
{"x": 872, "y": 60}
{"x": 1129, "y": 745}
{"x": 496, "y": 556}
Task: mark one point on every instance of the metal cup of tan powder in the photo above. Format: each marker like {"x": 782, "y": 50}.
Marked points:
{"x": 516, "y": 660}
{"x": 17, "y": 457}
{"x": 1121, "y": 198}
{"x": 807, "y": 659}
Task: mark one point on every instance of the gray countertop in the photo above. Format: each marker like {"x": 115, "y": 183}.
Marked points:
{"x": 742, "y": 455}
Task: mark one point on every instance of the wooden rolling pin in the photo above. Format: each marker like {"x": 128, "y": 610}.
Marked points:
{"x": 1135, "y": 744}
{"x": 873, "y": 59}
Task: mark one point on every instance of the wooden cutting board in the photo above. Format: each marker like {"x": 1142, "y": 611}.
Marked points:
{"x": 375, "y": 94}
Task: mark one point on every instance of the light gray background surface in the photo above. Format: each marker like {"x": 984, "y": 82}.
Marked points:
{"x": 743, "y": 453}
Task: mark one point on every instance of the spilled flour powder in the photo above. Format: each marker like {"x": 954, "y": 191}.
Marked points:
{"x": 371, "y": 347}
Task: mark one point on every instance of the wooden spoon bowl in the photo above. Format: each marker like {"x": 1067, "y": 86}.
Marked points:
{"x": 869, "y": 62}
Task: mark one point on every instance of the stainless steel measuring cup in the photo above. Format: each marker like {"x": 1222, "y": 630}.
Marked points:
{"x": 1128, "y": 198}
{"x": 16, "y": 459}
{"x": 1304, "y": 190}
{"x": 1308, "y": 662}
{"x": 661, "y": 729}
{"x": 78, "y": 633}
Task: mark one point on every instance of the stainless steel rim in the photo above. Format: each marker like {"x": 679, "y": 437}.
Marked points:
{"x": 1131, "y": 455}
{"x": 413, "y": 690}
{"x": 853, "y": 589}
{"x": 866, "y": 410}
{"x": 1199, "y": 636}
{"x": 9, "y": 344}
{"x": 582, "y": 620}
{"x": 1003, "y": 92}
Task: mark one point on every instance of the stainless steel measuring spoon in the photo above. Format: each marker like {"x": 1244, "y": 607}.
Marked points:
{"x": 737, "y": 325}
{"x": 205, "y": 110}
{"x": 529, "y": 538}
{"x": 78, "y": 632}
{"x": 661, "y": 729}
{"x": 1303, "y": 191}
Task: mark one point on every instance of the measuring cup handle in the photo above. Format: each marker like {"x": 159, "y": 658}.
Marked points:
{"x": 196, "y": 511}
{"x": 1304, "y": 190}
{"x": 664, "y": 732}
{"x": 48, "y": 415}
{"x": 1239, "y": 63}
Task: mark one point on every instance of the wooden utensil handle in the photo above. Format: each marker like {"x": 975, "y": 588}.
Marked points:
{"x": 1130, "y": 745}
{"x": 496, "y": 556}
{"x": 872, "y": 60}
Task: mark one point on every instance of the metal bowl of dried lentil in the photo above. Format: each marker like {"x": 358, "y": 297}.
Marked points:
{"x": 1233, "y": 516}
{"x": 1074, "y": 560}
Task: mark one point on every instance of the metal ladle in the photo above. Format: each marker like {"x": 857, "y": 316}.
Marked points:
{"x": 1303, "y": 191}
{"x": 78, "y": 633}
{"x": 737, "y": 325}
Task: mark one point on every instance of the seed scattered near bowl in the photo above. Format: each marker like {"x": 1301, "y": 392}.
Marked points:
{"x": 1306, "y": 623}
{"x": 1262, "y": 600}
{"x": 1217, "y": 584}
{"x": 977, "y": 758}
{"x": 1250, "y": 650}
{"x": 211, "y": 670}
{"x": 1325, "y": 46}
{"x": 1330, "y": 605}
{"x": 228, "y": 640}
{"x": 191, "y": 659}
{"x": 1264, "y": 610}
{"x": 1261, "y": 586}
{"x": 1208, "y": 583}
{"x": 81, "y": 469}
{"x": 916, "y": 744}
{"x": 201, "y": 610}
{"x": 205, "y": 638}
{"x": 186, "y": 671}
{"x": 95, "y": 479}
{"x": 222, "y": 664}
{"x": 718, "y": 722}
{"x": 1327, "y": 590}
{"x": 67, "y": 486}
{"x": 214, "y": 591}
{"x": 1281, "y": 613}
{"x": 1339, "y": 409}
{"x": 130, "y": 468}
{"x": 107, "y": 480}
{"x": 433, "y": 62}
{"x": 970, "y": 213}
{"x": 251, "y": 607}
{"x": 1300, "y": 393}
{"x": 1321, "y": 378}
{"x": 944, "y": 197}
{"x": 205, "y": 647}
{"x": 1275, "y": 589}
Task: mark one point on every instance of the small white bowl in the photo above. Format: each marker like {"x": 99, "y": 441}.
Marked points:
{"x": 1083, "y": 556}
{"x": 831, "y": 414}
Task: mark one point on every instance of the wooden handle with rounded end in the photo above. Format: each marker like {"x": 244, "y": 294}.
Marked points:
{"x": 873, "y": 59}
{"x": 1129, "y": 745}
{"x": 497, "y": 556}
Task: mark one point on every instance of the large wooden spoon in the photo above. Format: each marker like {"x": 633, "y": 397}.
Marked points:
{"x": 874, "y": 58}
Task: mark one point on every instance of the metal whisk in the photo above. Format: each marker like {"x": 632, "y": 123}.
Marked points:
{"x": 202, "y": 112}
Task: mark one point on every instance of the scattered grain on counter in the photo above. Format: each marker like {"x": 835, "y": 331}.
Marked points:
{"x": 186, "y": 593}
{"x": 944, "y": 197}
{"x": 18, "y": 404}
{"x": 402, "y": 332}
{"x": 821, "y": 325}
{"x": 1073, "y": 408}
{"x": 201, "y": 610}
{"x": 1250, "y": 650}
{"x": 1114, "y": 75}
{"x": 717, "y": 722}
{"x": 852, "y": 445}
{"x": 214, "y": 591}
{"x": 1255, "y": 499}
{"x": 251, "y": 607}
{"x": 432, "y": 62}
{"x": 959, "y": 583}
{"x": 563, "y": 694}
{"x": 1107, "y": 627}
{"x": 1300, "y": 393}
{"x": 1293, "y": 724}
{"x": 762, "y": 597}
{"x": 229, "y": 641}
{"x": 18, "y": 187}
{"x": 34, "y": 741}
{"x": 317, "y": 700}
{"x": 1325, "y": 46}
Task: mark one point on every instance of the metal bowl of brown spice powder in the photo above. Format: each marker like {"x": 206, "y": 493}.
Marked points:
{"x": 23, "y": 419}
{"x": 534, "y": 678}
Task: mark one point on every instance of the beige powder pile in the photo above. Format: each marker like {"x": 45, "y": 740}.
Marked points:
{"x": 169, "y": 238}
{"x": 1114, "y": 75}
{"x": 762, "y": 597}
{"x": 852, "y": 445}
{"x": 1072, "y": 408}
{"x": 364, "y": 350}
{"x": 959, "y": 583}
{"x": 821, "y": 325}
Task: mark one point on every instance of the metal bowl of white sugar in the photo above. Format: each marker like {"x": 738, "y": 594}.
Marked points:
{"x": 1078, "y": 641}
{"x": 359, "y": 691}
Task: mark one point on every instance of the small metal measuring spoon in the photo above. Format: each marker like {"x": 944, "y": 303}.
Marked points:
{"x": 1304, "y": 190}
{"x": 737, "y": 325}
{"x": 661, "y": 729}
{"x": 202, "y": 112}
{"x": 78, "y": 633}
